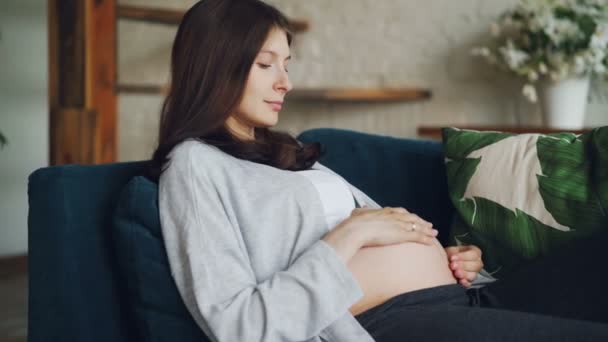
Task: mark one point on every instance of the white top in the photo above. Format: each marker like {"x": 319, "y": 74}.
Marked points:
{"x": 336, "y": 197}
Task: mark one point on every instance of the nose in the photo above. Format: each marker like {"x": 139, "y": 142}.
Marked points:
{"x": 283, "y": 84}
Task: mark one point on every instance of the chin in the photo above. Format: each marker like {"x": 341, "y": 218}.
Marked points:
{"x": 267, "y": 125}
{"x": 269, "y": 121}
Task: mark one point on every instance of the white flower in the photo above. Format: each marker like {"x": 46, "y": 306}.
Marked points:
{"x": 550, "y": 37}
{"x": 579, "y": 65}
{"x": 558, "y": 30}
{"x": 480, "y": 51}
{"x": 532, "y": 76}
{"x": 599, "y": 39}
{"x": 542, "y": 20}
{"x": 513, "y": 57}
{"x": 587, "y": 10}
{"x": 530, "y": 92}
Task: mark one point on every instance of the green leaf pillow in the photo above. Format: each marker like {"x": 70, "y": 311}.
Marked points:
{"x": 520, "y": 196}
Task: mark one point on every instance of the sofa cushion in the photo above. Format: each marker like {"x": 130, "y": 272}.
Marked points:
{"x": 156, "y": 305}
{"x": 522, "y": 196}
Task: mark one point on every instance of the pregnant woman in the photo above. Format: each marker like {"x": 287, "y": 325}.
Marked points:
{"x": 267, "y": 244}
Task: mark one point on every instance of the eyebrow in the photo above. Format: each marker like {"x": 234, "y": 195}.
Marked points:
{"x": 274, "y": 53}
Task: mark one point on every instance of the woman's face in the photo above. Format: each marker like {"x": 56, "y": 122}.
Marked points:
{"x": 266, "y": 87}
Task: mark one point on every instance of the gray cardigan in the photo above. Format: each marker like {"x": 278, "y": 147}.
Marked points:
{"x": 244, "y": 245}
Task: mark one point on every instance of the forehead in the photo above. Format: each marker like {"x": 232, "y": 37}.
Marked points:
{"x": 276, "y": 43}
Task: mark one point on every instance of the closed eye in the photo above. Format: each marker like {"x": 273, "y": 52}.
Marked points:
{"x": 266, "y": 66}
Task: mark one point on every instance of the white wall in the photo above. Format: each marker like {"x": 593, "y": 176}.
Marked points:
{"x": 23, "y": 113}
{"x": 356, "y": 43}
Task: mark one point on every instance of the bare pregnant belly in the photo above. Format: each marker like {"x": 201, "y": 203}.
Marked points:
{"x": 387, "y": 271}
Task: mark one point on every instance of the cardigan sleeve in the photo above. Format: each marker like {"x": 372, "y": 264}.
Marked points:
{"x": 213, "y": 274}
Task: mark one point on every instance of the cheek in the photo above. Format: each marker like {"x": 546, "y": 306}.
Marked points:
{"x": 260, "y": 82}
{"x": 251, "y": 94}
{"x": 252, "y": 105}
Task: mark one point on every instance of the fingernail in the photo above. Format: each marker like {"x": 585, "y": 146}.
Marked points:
{"x": 435, "y": 232}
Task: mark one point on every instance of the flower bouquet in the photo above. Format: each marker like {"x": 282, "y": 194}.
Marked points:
{"x": 550, "y": 41}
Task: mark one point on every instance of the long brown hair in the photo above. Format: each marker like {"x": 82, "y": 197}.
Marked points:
{"x": 213, "y": 52}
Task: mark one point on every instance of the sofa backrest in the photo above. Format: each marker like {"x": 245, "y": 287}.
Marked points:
{"x": 74, "y": 289}
{"x": 395, "y": 172}
{"x": 74, "y": 294}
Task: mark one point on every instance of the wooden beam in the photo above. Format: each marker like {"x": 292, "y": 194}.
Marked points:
{"x": 68, "y": 46}
{"x": 149, "y": 14}
{"x": 75, "y": 130}
{"x": 174, "y": 17}
{"x": 82, "y": 74}
{"x": 53, "y": 54}
{"x": 66, "y": 71}
{"x": 101, "y": 76}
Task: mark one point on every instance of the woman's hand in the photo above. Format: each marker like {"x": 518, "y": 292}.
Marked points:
{"x": 368, "y": 227}
{"x": 465, "y": 263}
{"x": 387, "y": 226}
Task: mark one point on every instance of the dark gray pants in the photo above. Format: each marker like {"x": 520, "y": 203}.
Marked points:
{"x": 562, "y": 297}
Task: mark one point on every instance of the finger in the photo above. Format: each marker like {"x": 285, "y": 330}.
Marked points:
{"x": 397, "y": 210}
{"x": 412, "y": 227}
{"x": 359, "y": 211}
{"x": 419, "y": 237}
{"x": 428, "y": 230}
{"x": 464, "y": 283}
{"x": 412, "y": 218}
{"x": 457, "y": 249}
{"x": 404, "y": 214}
{"x": 471, "y": 266}
{"x": 452, "y": 251}
{"x": 475, "y": 249}
{"x": 470, "y": 276}
{"x": 458, "y": 274}
{"x": 461, "y": 274}
{"x": 469, "y": 255}
{"x": 365, "y": 209}
{"x": 422, "y": 221}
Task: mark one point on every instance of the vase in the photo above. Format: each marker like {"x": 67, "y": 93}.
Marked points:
{"x": 564, "y": 102}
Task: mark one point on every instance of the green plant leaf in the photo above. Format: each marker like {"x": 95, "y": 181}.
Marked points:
{"x": 573, "y": 185}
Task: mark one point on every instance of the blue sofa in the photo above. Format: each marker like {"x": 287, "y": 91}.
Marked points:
{"x": 78, "y": 290}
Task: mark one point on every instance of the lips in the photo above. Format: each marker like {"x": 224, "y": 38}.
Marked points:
{"x": 275, "y": 105}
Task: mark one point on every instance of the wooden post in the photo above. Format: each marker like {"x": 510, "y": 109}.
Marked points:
{"x": 82, "y": 74}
